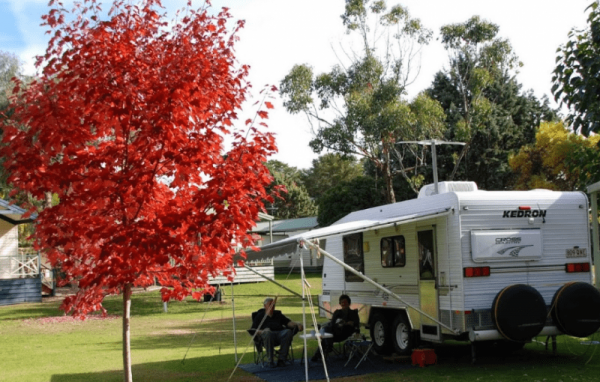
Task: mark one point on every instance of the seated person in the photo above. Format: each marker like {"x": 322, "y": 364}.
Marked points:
{"x": 343, "y": 324}
{"x": 276, "y": 329}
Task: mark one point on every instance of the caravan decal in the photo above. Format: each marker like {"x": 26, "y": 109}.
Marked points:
{"x": 508, "y": 240}
{"x": 514, "y": 251}
{"x": 506, "y": 245}
{"x": 524, "y": 214}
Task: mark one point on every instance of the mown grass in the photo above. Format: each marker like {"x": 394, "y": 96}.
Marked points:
{"x": 33, "y": 350}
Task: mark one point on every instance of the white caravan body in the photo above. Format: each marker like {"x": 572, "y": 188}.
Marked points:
{"x": 522, "y": 237}
{"x": 464, "y": 263}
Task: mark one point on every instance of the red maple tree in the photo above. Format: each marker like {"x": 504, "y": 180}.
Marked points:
{"x": 126, "y": 124}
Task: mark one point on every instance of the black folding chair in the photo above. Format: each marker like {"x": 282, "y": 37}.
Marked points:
{"x": 340, "y": 348}
{"x": 260, "y": 351}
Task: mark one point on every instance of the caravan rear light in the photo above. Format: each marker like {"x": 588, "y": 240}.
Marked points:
{"x": 476, "y": 271}
{"x": 524, "y": 208}
{"x": 577, "y": 267}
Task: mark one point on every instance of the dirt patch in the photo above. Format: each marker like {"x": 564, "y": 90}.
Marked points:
{"x": 68, "y": 319}
{"x": 176, "y": 332}
{"x": 63, "y": 292}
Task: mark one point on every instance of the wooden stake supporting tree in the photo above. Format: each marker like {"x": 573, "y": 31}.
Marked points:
{"x": 126, "y": 124}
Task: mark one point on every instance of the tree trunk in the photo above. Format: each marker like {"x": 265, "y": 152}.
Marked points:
{"x": 387, "y": 176}
{"x": 460, "y": 157}
{"x": 127, "y": 377}
{"x": 48, "y": 201}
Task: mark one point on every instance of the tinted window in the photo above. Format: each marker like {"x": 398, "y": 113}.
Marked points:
{"x": 393, "y": 252}
{"x": 353, "y": 256}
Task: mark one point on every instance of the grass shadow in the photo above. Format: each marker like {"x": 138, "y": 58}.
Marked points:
{"x": 211, "y": 368}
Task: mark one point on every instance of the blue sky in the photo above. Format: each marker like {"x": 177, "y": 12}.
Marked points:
{"x": 281, "y": 33}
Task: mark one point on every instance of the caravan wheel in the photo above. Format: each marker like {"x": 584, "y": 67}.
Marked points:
{"x": 576, "y": 309}
{"x": 519, "y": 312}
{"x": 380, "y": 334}
{"x": 403, "y": 339}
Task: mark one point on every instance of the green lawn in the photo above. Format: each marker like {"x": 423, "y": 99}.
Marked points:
{"x": 36, "y": 348}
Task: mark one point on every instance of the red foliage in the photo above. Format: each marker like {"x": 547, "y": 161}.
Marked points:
{"x": 126, "y": 124}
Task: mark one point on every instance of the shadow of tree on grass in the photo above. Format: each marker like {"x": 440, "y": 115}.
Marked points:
{"x": 210, "y": 368}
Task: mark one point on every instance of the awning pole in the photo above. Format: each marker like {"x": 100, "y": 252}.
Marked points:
{"x": 375, "y": 284}
{"x": 273, "y": 281}
{"x": 233, "y": 312}
{"x": 305, "y": 355}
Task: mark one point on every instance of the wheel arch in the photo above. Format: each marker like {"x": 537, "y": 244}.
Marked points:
{"x": 390, "y": 314}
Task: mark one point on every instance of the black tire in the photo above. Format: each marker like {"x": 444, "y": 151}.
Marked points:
{"x": 402, "y": 334}
{"x": 380, "y": 334}
{"x": 576, "y": 309}
{"x": 519, "y": 312}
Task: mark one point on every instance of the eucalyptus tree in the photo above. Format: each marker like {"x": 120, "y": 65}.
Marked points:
{"x": 358, "y": 106}
{"x": 484, "y": 104}
{"x": 10, "y": 67}
{"x": 477, "y": 58}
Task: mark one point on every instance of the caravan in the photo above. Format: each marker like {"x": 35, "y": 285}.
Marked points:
{"x": 461, "y": 263}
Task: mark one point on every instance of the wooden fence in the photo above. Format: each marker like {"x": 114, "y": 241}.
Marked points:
{"x": 22, "y": 277}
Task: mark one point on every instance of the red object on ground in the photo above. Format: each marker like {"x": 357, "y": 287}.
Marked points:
{"x": 424, "y": 357}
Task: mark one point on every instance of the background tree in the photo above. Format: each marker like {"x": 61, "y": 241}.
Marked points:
{"x": 123, "y": 104}
{"x": 577, "y": 75}
{"x": 484, "y": 105}
{"x": 426, "y": 120}
{"x": 329, "y": 170}
{"x": 357, "y": 108}
{"x": 294, "y": 201}
{"x": 356, "y": 194}
{"x": 554, "y": 161}
{"x": 585, "y": 161}
{"x": 10, "y": 67}
{"x": 477, "y": 58}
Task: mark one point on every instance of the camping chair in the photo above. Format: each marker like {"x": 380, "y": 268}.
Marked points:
{"x": 358, "y": 346}
{"x": 260, "y": 352}
{"x": 340, "y": 348}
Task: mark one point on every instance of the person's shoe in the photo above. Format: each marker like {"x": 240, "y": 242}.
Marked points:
{"x": 272, "y": 364}
{"x": 280, "y": 363}
{"x": 316, "y": 357}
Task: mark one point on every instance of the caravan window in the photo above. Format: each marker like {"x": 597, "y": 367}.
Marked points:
{"x": 353, "y": 256}
{"x": 393, "y": 252}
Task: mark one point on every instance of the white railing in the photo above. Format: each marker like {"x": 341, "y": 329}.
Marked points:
{"x": 28, "y": 264}
{"x": 25, "y": 265}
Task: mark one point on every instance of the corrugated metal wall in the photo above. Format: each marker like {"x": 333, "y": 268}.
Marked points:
{"x": 17, "y": 291}
{"x": 564, "y": 226}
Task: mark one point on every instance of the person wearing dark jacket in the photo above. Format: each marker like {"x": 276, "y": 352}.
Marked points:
{"x": 275, "y": 329}
{"x": 343, "y": 324}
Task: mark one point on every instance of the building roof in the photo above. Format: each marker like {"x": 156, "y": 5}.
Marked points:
{"x": 290, "y": 225}
{"x": 13, "y": 214}
{"x": 295, "y": 224}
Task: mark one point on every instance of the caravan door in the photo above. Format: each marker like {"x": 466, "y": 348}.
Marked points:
{"x": 428, "y": 293}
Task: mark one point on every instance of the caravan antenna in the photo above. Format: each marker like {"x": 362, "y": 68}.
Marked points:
{"x": 433, "y": 143}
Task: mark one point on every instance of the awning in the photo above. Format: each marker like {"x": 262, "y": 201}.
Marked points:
{"x": 289, "y": 245}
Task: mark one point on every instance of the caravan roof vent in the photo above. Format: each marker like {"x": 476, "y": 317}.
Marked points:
{"x": 444, "y": 187}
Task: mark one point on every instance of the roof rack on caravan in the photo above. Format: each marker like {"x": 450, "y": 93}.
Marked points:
{"x": 444, "y": 187}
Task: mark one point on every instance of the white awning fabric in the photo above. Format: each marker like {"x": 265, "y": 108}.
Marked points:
{"x": 289, "y": 245}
